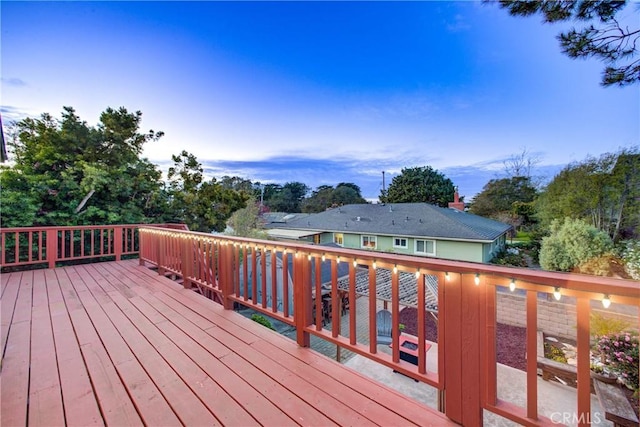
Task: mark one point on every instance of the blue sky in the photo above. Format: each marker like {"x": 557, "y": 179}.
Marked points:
{"x": 322, "y": 92}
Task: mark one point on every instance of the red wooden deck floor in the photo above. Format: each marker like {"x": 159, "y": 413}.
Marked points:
{"x": 116, "y": 344}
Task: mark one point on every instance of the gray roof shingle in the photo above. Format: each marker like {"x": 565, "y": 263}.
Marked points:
{"x": 400, "y": 219}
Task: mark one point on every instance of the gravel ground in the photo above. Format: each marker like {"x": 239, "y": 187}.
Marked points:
{"x": 510, "y": 340}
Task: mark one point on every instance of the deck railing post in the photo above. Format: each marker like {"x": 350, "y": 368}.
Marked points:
{"x": 52, "y": 246}
{"x": 463, "y": 314}
{"x": 302, "y": 298}
{"x": 117, "y": 241}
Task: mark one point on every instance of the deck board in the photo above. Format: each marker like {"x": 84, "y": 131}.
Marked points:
{"x": 11, "y": 286}
{"x": 15, "y": 364}
{"x": 110, "y": 393}
{"x": 116, "y": 344}
{"x": 45, "y": 392}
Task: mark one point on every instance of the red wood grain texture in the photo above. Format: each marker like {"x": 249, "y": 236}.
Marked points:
{"x": 532, "y": 355}
{"x": 470, "y": 348}
{"x": 453, "y": 346}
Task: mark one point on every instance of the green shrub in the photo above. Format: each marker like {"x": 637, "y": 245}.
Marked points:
{"x": 571, "y": 243}
{"x": 600, "y": 325}
{"x": 510, "y": 256}
{"x": 631, "y": 257}
{"x": 258, "y": 318}
{"x": 554, "y": 353}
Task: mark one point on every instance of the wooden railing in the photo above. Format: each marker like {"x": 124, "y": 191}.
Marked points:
{"x": 232, "y": 271}
{"x": 33, "y": 246}
{"x": 280, "y": 280}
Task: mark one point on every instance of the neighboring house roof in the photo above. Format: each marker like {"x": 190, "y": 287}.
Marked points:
{"x": 284, "y": 233}
{"x": 276, "y": 217}
{"x": 400, "y": 219}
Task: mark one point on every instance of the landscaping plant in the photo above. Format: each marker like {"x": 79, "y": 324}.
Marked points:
{"x": 619, "y": 353}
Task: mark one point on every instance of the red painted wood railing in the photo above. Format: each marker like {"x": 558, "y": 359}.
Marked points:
{"x": 280, "y": 279}
{"x": 467, "y": 372}
{"x": 50, "y": 245}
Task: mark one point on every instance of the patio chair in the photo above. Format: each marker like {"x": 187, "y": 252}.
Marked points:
{"x": 383, "y": 322}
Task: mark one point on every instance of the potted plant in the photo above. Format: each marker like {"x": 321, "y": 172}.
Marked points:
{"x": 600, "y": 373}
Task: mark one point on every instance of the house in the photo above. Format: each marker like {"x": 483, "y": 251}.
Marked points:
{"x": 404, "y": 228}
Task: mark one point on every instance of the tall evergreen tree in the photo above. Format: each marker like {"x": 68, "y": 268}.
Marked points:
{"x": 420, "y": 184}
{"x": 65, "y": 172}
{"x": 603, "y": 36}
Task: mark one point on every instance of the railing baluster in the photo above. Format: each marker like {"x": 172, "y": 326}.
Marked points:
{"x": 584, "y": 377}
{"x": 373, "y": 309}
{"x": 353, "y": 338}
{"x": 274, "y": 281}
{"x": 254, "y": 272}
{"x": 422, "y": 355}
{"x": 318, "y": 319}
{"x": 29, "y": 253}
{"x": 263, "y": 274}
{"x": 335, "y": 330}
{"x": 532, "y": 355}
{"x": 245, "y": 273}
{"x": 395, "y": 314}
{"x": 285, "y": 284}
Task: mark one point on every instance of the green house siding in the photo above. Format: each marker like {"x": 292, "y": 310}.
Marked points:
{"x": 446, "y": 249}
{"x": 351, "y": 241}
{"x": 462, "y": 251}
{"x": 490, "y": 250}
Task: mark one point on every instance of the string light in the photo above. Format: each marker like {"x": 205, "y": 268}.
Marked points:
{"x": 395, "y": 269}
{"x": 338, "y": 260}
{"x": 446, "y": 276}
{"x": 606, "y": 302}
{"x": 556, "y": 293}
{"x": 355, "y": 263}
{"x": 374, "y": 265}
{"x": 477, "y": 279}
{"x": 323, "y": 258}
{"x": 418, "y": 274}
{"x": 512, "y": 285}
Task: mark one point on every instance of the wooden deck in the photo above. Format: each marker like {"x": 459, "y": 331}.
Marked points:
{"x": 117, "y": 344}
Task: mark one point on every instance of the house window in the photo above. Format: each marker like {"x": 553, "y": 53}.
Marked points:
{"x": 425, "y": 247}
{"x": 400, "y": 242}
{"x": 369, "y": 242}
{"x": 338, "y": 239}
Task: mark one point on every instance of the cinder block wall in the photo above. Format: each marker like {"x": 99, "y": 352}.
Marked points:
{"x": 557, "y": 318}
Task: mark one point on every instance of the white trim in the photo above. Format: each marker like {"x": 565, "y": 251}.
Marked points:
{"x": 415, "y": 247}
{"x": 406, "y": 242}
{"x": 369, "y": 236}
